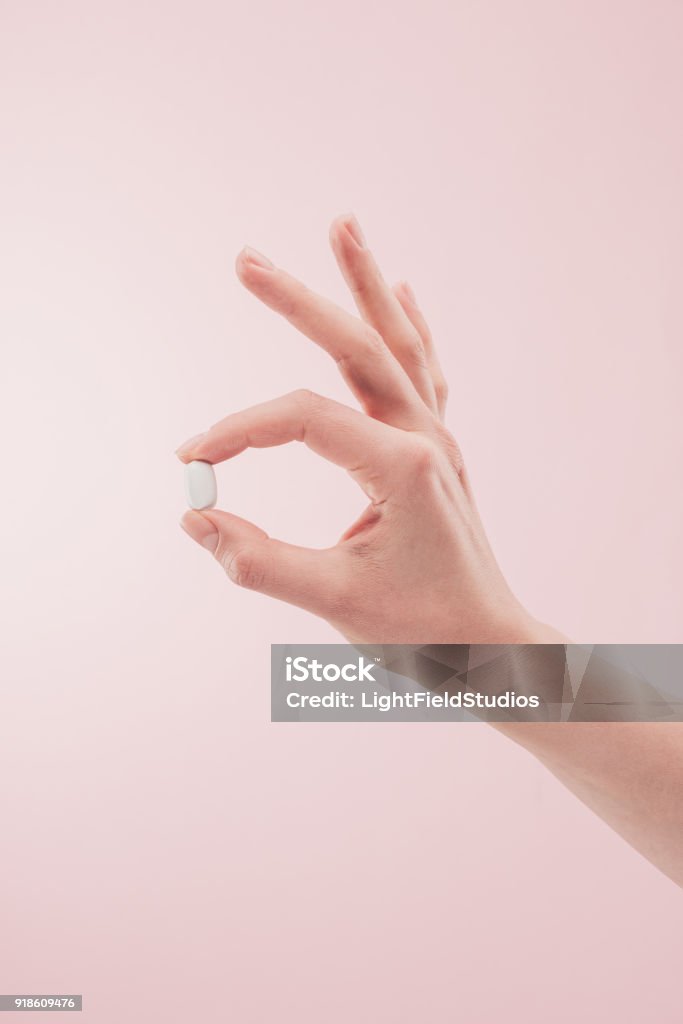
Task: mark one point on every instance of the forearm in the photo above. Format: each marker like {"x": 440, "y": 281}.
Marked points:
{"x": 629, "y": 773}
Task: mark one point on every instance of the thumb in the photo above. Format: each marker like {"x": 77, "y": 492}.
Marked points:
{"x": 302, "y": 576}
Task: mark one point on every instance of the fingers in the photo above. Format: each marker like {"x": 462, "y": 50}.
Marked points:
{"x": 379, "y": 306}
{"x": 309, "y": 579}
{"x": 366, "y": 448}
{"x": 369, "y": 368}
{"x": 404, "y": 294}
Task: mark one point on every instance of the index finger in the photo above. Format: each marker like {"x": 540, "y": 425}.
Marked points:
{"x": 365, "y": 447}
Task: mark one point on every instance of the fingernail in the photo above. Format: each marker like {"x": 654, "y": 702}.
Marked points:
{"x": 187, "y": 446}
{"x": 409, "y": 292}
{"x": 201, "y": 530}
{"x": 354, "y": 229}
{"x": 257, "y": 258}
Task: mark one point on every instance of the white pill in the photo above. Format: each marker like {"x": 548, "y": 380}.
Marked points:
{"x": 200, "y": 485}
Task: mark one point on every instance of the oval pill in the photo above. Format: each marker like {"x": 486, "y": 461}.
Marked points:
{"x": 200, "y": 485}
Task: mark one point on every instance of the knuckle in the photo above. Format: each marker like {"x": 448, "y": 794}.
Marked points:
{"x": 441, "y": 390}
{"x": 244, "y": 569}
{"x": 449, "y": 446}
{"x": 421, "y": 457}
{"x": 301, "y": 396}
{"x": 286, "y": 306}
{"x": 362, "y": 286}
{"x": 415, "y": 353}
{"x": 307, "y": 400}
{"x": 311, "y": 407}
{"x": 287, "y": 297}
{"x": 426, "y": 335}
{"x": 373, "y": 340}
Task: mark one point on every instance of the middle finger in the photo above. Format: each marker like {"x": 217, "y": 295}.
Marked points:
{"x": 371, "y": 371}
{"x": 378, "y": 305}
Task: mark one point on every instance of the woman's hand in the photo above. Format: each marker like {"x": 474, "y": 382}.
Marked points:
{"x": 416, "y": 567}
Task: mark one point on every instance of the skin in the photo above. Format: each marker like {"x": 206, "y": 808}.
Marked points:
{"x": 416, "y": 567}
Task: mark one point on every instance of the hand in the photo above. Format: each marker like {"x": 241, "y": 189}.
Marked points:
{"x": 416, "y": 567}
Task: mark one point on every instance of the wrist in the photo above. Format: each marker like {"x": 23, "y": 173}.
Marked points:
{"x": 523, "y": 628}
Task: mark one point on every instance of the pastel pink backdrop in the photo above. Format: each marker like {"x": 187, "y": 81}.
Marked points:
{"x": 167, "y": 851}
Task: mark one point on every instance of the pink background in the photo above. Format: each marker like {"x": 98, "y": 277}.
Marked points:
{"x": 161, "y": 842}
